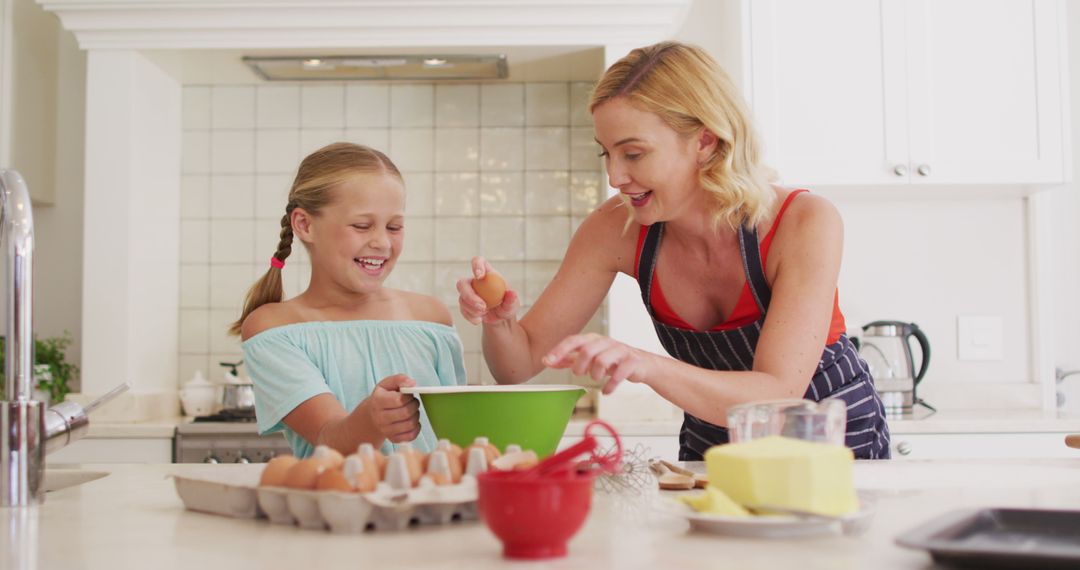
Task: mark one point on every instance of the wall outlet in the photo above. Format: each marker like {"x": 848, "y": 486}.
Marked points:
{"x": 979, "y": 337}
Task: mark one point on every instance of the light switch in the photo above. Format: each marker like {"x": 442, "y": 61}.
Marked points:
{"x": 979, "y": 337}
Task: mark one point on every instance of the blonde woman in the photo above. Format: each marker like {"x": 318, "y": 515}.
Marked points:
{"x": 329, "y": 363}
{"x": 738, "y": 274}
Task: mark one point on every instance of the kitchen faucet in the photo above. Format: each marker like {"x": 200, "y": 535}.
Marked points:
{"x": 27, "y": 429}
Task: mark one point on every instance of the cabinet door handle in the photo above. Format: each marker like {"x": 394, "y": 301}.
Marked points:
{"x": 923, "y": 170}
{"x": 900, "y": 170}
{"x": 903, "y": 448}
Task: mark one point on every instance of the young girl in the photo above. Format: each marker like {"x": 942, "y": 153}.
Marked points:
{"x": 328, "y": 364}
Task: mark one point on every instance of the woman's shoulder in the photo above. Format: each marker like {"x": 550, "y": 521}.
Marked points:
{"x": 808, "y": 219}
{"x": 427, "y": 308}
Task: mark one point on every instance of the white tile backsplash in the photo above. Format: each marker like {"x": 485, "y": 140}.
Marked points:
{"x": 367, "y": 106}
{"x": 503, "y": 238}
{"x": 547, "y": 104}
{"x": 501, "y": 170}
{"x": 232, "y": 151}
{"x": 547, "y": 148}
{"x": 312, "y": 140}
{"x": 194, "y": 286}
{"x": 277, "y": 107}
{"x": 413, "y": 150}
{"x": 194, "y": 241}
{"x": 276, "y": 150}
{"x": 231, "y": 241}
{"x": 232, "y": 107}
{"x": 457, "y": 106}
{"x": 376, "y": 138}
{"x": 459, "y": 238}
{"x": 271, "y": 194}
{"x": 322, "y": 106}
{"x": 502, "y": 105}
{"x": 502, "y": 150}
{"x": 547, "y": 193}
{"x": 196, "y": 152}
{"x": 412, "y": 105}
{"x": 194, "y": 196}
{"x": 457, "y": 194}
{"x": 196, "y": 107}
{"x": 502, "y": 193}
{"x": 546, "y": 237}
{"x": 223, "y": 280}
{"x": 457, "y": 149}
{"x": 232, "y": 196}
{"x": 579, "y": 104}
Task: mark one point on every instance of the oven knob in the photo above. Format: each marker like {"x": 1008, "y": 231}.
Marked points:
{"x": 243, "y": 459}
{"x": 210, "y": 459}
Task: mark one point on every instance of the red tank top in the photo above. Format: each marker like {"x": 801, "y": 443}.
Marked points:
{"x": 746, "y": 311}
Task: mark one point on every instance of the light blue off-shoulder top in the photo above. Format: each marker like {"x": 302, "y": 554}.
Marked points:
{"x": 293, "y": 363}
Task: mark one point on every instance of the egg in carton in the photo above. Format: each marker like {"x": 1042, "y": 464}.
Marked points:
{"x": 368, "y": 489}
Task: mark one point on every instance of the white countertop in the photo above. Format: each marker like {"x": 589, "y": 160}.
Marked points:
{"x": 133, "y": 519}
{"x": 1028, "y": 420}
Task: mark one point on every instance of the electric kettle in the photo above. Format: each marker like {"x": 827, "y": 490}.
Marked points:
{"x": 886, "y": 348}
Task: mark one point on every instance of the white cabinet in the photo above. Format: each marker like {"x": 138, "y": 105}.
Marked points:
{"x": 981, "y": 446}
{"x": 909, "y": 91}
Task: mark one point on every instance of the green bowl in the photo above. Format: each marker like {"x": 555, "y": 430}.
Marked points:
{"x": 532, "y": 416}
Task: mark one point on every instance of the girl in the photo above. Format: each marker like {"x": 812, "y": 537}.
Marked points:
{"x": 738, "y": 273}
{"x": 328, "y": 364}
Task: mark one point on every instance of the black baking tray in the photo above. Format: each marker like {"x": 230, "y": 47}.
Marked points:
{"x": 1000, "y": 538}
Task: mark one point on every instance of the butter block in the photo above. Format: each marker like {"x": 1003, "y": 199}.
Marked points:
{"x": 713, "y": 501}
{"x": 785, "y": 472}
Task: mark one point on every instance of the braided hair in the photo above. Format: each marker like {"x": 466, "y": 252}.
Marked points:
{"x": 318, "y": 174}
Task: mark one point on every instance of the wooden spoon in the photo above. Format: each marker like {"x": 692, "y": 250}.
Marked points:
{"x": 670, "y": 480}
{"x": 700, "y": 479}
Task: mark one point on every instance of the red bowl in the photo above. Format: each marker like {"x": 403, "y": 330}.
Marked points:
{"x": 534, "y": 517}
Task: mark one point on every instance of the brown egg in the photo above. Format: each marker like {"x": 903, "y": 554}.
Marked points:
{"x": 439, "y": 479}
{"x": 491, "y": 453}
{"x": 328, "y": 456}
{"x": 333, "y": 480}
{"x": 414, "y": 461}
{"x": 491, "y": 288}
{"x": 370, "y": 455}
{"x": 304, "y": 473}
{"x": 274, "y": 473}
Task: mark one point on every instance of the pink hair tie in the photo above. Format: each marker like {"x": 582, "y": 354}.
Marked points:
{"x": 275, "y": 262}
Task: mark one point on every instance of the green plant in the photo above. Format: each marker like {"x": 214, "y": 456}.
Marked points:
{"x": 51, "y": 352}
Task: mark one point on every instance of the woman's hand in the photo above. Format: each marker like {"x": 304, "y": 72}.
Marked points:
{"x": 473, "y": 307}
{"x": 603, "y": 358}
{"x": 395, "y": 415}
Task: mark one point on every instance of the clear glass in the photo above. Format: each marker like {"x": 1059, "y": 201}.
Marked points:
{"x": 823, "y": 421}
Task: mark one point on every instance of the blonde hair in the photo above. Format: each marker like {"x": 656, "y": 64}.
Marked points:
{"x": 319, "y": 173}
{"x": 689, "y": 91}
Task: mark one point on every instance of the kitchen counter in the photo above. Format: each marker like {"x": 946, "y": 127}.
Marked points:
{"x": 1024, "y": 420}
{"x": 133, "y": 518}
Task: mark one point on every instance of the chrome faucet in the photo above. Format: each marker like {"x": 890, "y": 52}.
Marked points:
{"x": 22, "y": 420}
{"x": 27, "y": 429}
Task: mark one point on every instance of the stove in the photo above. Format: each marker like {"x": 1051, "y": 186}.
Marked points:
{"x": 225, "y": 438}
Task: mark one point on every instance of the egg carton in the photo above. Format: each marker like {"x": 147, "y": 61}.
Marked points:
{"x": 395, "y": 504}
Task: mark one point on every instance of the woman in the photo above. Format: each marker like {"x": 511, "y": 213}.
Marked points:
{"x": 744, "y": 318}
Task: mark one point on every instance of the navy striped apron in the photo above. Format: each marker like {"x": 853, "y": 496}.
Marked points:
{"x": 841, "y": 373}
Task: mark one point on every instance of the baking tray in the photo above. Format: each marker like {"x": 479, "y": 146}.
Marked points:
{"x": 1000, "y": 538}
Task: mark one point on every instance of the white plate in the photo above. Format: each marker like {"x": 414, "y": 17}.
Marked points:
{"x": 491, "y": 388}
{"x": 772, "y": 526}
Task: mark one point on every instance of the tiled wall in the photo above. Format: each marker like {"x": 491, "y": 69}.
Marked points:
{"x": 504, "y": 170}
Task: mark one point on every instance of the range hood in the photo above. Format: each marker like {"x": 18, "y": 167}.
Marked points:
{"x": 378, "y": 67}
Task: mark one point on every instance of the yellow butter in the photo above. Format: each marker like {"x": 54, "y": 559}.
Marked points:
{"x": 713, "y": 501}
{"x": 785, "y": 472}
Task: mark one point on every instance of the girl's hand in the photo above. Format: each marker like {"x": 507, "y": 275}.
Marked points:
{"x": 395, "y": 415}
{"x": 601, "y": 357}
{"x": 473, "y": 307}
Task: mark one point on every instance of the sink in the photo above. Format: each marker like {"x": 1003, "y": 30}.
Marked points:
{"x": 57, "y": 479}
